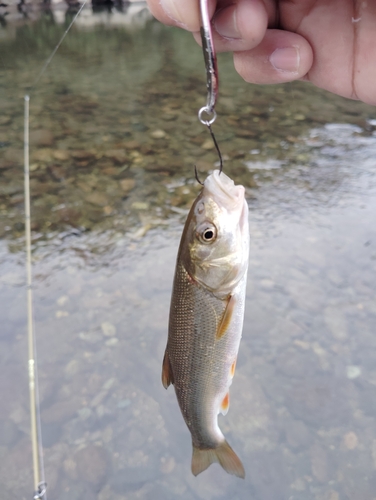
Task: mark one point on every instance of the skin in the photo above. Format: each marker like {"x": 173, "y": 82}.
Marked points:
{"x": 330, "y": 43}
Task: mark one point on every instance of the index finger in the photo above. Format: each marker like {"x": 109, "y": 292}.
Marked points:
{"x": 182, "y": 13}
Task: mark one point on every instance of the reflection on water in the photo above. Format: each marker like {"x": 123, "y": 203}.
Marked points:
{"x": 114, "y": 138}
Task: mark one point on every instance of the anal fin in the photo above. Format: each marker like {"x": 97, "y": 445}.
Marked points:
{"x": 225, "y": 404}
{"x": 167, "y": 376}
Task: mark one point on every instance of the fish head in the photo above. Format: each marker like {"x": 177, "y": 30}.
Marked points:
{"x": 218, "y": 235}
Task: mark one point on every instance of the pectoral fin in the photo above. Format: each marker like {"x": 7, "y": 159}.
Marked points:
{"x": 167, "y": 376}
{"x": 226, "y": 318}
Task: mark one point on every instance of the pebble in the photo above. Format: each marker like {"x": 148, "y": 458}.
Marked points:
{"x": 298, "y": 485}
{"x": 92, "y": 464}
{"x": 90, "y": 337}
{"x": 319, "y": 463}
{"x": 61, "y": 301}
{"x": 167, "y": 465}
{"x": 297, "y": 434}
{"x": 127, "y": 184}
{"x": 118, "y": 156}
{"x": 140, "y": 205}
{"x": 208, "y": 145}
{"x": 42, "y": 137}
{"x": 72, "y": 368}
{"x": 82, "y": 154}
{"x": 336, "y": 323}
{"x": 61, "y": 155}
{"x": 353, "y": 372}
{"x": 61, "y": 314}
{"x": 351, "y": 440}
{"x": 108, "y": 329}
{"x": 158, "y": 134}
{"x": 97, "y": 198}
{"x": 5, "y": 120}
{"x": 61, "y": 411}
{"x": 112, "y": 342}
{"x": 85, "y": 413}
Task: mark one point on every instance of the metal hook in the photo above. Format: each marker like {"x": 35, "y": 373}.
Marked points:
{"x": 197, "y": 177}
{"x": 210, "y": 64}
{"x": 208, "y": 124}
{"x": 207, "y": 115}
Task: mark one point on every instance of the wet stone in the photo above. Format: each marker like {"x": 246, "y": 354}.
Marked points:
{"x": 297, "y": 433}
{"x": 319, "y": 463}
{"x": 92, "y": 464}
{"x": 351, "y": 440}
{"x": 41, "y": 138}
{"x": 320, "y": 400}
{"x": 97, "y": 198}
{"x": 133, "y": 478}
{"x": 61, "y": 155}
{"x": 269, "y": 475}
{"x": 61, "y": 411}
{"x": 158, "y": 134}
{"x": 118, "y": 156}
{"x": 108, "y": 329}
{"x": 9, "y": 433}
{"x": 51, "y": 434}
{"x": 127, "y": 185}
{"x": 297, "y": 364}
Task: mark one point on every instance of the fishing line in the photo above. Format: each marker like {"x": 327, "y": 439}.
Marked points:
{"x": 49, "y": 59}
{"x": 40, "y": 485}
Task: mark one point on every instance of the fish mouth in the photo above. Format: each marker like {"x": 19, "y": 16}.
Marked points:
{"x": 224, "y": 190}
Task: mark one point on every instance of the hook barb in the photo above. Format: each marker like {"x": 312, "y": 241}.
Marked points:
{"x": 197, "y": 177}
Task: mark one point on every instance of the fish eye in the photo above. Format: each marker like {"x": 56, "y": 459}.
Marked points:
{"x": 206, "y": 232}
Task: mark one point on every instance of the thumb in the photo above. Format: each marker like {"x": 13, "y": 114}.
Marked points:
{"x": 281, "y": 56}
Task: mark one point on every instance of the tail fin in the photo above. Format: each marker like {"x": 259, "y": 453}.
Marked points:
{"x": 223, "y": 454}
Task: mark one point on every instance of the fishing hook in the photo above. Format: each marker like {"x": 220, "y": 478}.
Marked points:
{"x": 218, "y": 151}
{"x": 211, "y": 66}
{"x": 207, "y": 114}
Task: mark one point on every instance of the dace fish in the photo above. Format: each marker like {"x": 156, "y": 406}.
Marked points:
{"x": 206, "y": 317}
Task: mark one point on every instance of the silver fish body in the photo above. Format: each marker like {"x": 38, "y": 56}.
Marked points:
{"x": 206, "y": 316}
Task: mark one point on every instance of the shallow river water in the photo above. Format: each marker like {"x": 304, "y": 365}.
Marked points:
{"x": 114, "y": 138}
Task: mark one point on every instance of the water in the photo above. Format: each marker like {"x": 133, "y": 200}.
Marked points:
{"x": 114, "y": 137}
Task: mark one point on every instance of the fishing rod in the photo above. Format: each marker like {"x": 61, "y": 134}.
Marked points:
{"x": 40, "y": 484}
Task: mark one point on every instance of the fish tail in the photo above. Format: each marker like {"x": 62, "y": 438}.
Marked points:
{"x": 223, "y": 454}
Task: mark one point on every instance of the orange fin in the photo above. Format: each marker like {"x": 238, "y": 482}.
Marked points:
{"x": 223, "y": 454}
{"x": 232, "y": 369}
{"x": 167, "y": 376}
{"x": 226, "y": 318}
{"x": 225, "y": 405}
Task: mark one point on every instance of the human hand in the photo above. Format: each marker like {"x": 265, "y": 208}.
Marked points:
{"x": 330, "y": 43}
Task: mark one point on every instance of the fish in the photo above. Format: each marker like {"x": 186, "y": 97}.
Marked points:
{"x": 206, "y": 317}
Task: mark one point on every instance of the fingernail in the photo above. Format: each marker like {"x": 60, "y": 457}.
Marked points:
{"x": 286, "y": 59}
{"x": 226, "y": 24}
{"x": 175, "y": 11}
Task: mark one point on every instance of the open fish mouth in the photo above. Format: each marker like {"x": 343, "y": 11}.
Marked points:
{"x": 224, "y": 190}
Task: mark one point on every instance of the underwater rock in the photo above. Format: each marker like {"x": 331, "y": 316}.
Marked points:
{"x": 92, "y": 464}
